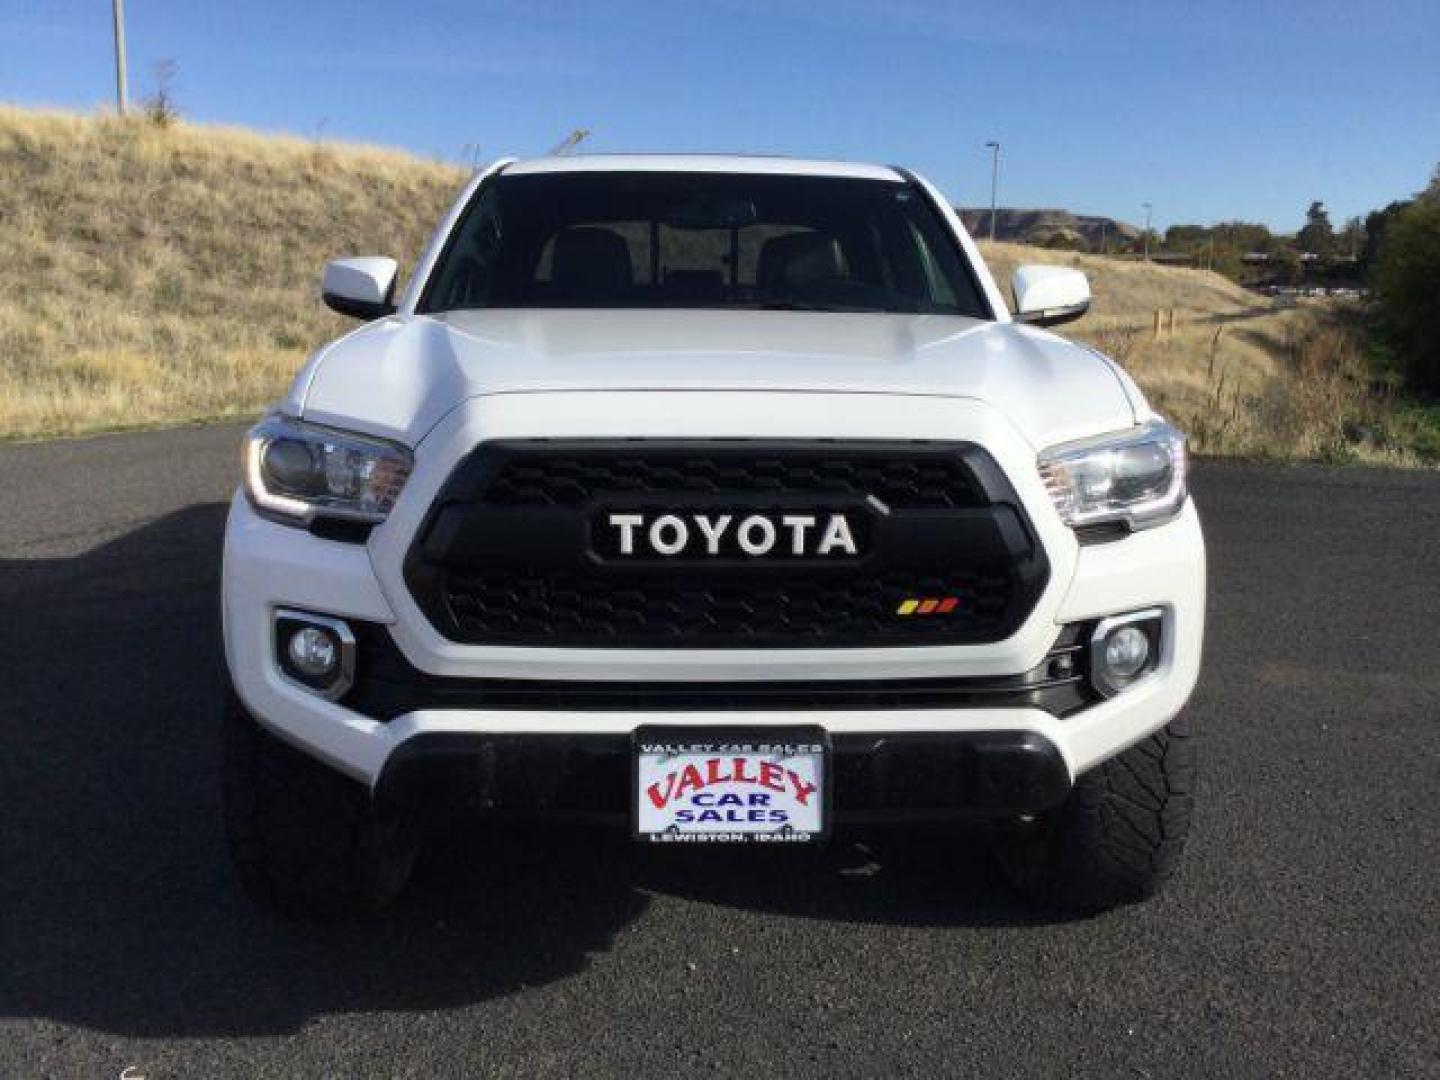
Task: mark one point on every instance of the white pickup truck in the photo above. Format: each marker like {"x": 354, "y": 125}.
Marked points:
{"x": 724, "y": 498}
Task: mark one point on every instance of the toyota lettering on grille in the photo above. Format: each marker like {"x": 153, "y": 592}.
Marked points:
{"x": 730, "y": 535}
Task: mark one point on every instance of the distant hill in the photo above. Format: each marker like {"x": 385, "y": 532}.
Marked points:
{"x": 151, "y": 275}
{"x": 1048, "y": 228}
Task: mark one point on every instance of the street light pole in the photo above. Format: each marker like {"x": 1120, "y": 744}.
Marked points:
{"x": 994, "y": 148}
{"x": 122, "y": 95}
{"x": 1148, "y": 208}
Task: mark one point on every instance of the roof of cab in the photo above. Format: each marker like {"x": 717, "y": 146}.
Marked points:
{"x": 716, "y": 163}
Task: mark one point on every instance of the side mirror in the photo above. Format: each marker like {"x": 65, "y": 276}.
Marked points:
{"x": 362, "y": 287}
{"x": 1047, "y": 295}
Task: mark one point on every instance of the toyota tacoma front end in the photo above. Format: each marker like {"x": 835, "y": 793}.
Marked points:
{"x": 723, "y": 498}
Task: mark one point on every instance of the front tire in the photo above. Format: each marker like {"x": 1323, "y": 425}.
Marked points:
{"x": 305, "y": 840}
{"x": 1117, "y": 837}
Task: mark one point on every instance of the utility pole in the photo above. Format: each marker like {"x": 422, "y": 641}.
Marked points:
{"x": 1148, "y": 208}
{"x": 122, "y": 95}
{"x": 994, "y": 148}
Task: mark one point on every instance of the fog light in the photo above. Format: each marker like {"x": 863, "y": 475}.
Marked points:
{"x": 316, "y": 651}
{"x": 1124, "y": 648}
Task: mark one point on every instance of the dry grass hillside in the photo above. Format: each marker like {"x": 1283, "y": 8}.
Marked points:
{"x": 153, "y": 275}
{"x": 1239, "y": 374}
{"x": 160, "y": 275}
{"x": 1125, "y": 290}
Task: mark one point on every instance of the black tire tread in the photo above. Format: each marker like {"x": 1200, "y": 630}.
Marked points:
{"x": 1118, "y": 837}
{"x": 304, "y": 839}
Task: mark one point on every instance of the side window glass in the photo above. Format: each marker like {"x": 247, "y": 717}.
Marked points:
{"x": 470, "y": 267}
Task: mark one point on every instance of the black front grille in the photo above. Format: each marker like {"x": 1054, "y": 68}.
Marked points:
{"x": 910, "y": 482}
{"x": 801, "y": 609}
{"x": 509, "y": 553}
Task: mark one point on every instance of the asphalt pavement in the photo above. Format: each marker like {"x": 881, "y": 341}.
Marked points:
{"x": 1301, "y": 937}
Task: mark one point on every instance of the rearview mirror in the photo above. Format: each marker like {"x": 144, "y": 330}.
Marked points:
{"x": 1048, "y": 295}
{"x": 705, "y": 213}
{"x": 362, "y": 287}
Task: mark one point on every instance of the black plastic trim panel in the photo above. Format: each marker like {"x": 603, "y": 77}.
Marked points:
{"x": 875, "y": 777}
{"x": 387, "y": 685}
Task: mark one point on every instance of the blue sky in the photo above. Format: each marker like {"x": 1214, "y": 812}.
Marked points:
{"x": 1209, "y": 110}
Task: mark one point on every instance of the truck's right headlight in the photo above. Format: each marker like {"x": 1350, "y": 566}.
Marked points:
{"x": 1137, "y": 478}
{"x": 297, "y": 472}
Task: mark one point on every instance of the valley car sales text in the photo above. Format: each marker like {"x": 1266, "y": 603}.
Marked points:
{"x": 692, "y": 791}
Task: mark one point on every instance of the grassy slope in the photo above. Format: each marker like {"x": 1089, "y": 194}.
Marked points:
{"x": 1125, "y": 290}
{"x": 156, "y": 276}
{"x": 1239, "y": 374}
{"x": 152, "y": 276}
{"x": 1180, "y": 370}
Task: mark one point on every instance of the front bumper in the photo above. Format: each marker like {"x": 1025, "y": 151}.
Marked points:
{"x": 269, "y": 566}
{"x": 875, "y": 778}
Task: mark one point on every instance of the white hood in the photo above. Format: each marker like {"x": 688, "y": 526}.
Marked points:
{"x": 399, "y": 376}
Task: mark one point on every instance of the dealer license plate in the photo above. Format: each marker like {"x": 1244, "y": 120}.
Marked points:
{"x": 700, "y": 785}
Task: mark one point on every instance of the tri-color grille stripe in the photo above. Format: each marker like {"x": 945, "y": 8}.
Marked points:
{"x": 928, "y": 605}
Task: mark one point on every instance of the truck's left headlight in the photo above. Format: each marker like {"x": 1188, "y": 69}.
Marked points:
{"x": 297, "y": 472}
{"x": 1135, "y": 478}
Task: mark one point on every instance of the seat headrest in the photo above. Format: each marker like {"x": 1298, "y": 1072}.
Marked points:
{"x": 797, "y": 259}
{"x": 592, "y": 258}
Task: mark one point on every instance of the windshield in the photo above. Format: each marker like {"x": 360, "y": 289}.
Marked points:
{"x": 711, "y": 240}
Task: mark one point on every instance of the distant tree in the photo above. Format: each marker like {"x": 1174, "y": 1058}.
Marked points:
{"x": 1201, "y": 242}
{"x": 1432, "y": 191}
{"x": 1351, "y": 240}
{"x": 160, "y": 107}
{"x": 1285, "y": 266}
{"x": 1243, "y": 236}
{"x": 1274, "y": 243}
{"x": 1228, "y": 261}
{"x": 1317, "y": 236}
{"x": 1377, "y": 226}
{"x": 1183, "y": 237}
{"x": 1404, "y": 276}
